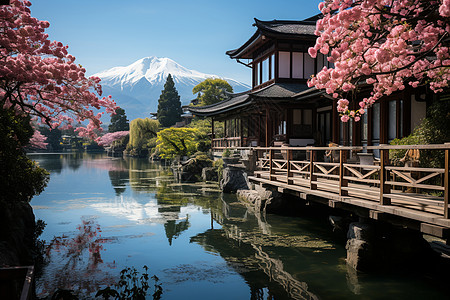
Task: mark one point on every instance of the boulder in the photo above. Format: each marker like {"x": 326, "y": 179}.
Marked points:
{"x": 191, "y": 170}
{"x": 261, "y": 199}
{"x": 360, "y": 246}
{"x": 234, "y": 178}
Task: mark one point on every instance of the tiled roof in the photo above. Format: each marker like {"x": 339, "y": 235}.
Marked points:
{"x": 280, "y": 90}
{"x": 235, "y": 101}
{"x": 279, "y": 28}
{"x": 276, "y": 91}
{"x": 287, "y": 27}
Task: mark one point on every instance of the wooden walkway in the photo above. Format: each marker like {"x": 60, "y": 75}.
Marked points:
{"x": 409, "y": 195}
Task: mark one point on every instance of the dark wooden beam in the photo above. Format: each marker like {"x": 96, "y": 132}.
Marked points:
{"x": 435, "y": 230}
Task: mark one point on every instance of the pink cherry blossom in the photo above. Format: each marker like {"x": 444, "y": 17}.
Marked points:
{"x": 37, "y": 141}
{"x": 345, "y": 118}
{"x": 109, "y": 138}
{"x": 387, "y": 44}
{"x": 39, "y": 78}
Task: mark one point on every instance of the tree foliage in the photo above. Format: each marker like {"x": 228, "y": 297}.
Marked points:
{"x": 141, "y": 131}
{"x": 386, "y": 44}
{"x": 169, "y": 104}
{"x": 39, "y": 78}
{"x": 177, "y": 142}
{"x": 211, "y": 91}
{"x": 21, "y": 178}
{"x": 434, "y": 129}
{"x": 119, "y": 121}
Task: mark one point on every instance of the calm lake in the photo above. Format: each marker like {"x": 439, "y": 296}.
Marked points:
{"x": 104, "y": 214}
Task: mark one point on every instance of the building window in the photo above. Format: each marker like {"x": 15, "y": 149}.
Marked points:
{"x": 265, "y": 70}
{"x": 364, "y": 128}
{"x": 308, "y": 66}
{"x": 297, "y": 65}
{"x": 284, "y": 64}
{"x": 392, "y": 122}
{"x": 272, "y": 66}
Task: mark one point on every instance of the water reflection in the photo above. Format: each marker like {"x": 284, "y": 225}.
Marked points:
{"x": 79, "y": 266}
{"x": 202, "y": 244}
{"x": 246, "y": 242}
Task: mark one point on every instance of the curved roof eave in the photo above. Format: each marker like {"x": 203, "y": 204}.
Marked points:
{"x": 222, "y": 111}
{"x": 239, "y": 51}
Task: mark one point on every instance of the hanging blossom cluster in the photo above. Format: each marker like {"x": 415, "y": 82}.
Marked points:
{"x": 386, "y": 44}
{"x": 39, "y": 78}
{"x": 111, "y": 137}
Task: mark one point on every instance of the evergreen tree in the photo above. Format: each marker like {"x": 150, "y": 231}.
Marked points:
{"x": 169, "y": 104}
{"x": 119, "y": 121}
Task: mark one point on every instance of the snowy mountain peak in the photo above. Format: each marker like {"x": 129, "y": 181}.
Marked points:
{"x": 144, "y": 79}
{"x": 151, "y": 68}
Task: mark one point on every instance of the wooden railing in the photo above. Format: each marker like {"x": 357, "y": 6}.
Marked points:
{"x": 17, "y": 283}
{"x": 226, "y": 142}
{"x": 419, "y": 188}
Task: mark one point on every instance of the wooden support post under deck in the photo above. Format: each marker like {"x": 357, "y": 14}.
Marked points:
{"x": 212, "y": 133}
{"x": 288, "y": 166}
{"x": 342, "y": 182}
{"x": 312, "y": 177}
{"x": 384, "y": 188}
{"x": 447, "y": 184}
{"x": 270, "y": 164}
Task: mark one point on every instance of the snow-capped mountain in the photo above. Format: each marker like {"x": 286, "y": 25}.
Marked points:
{"x": 137, "y": 87}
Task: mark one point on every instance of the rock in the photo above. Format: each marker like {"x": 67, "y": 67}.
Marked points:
{"x": 234, "y": 179}
{"x": 261, "y": 199}
{"x": 209, "y": 174}
{"x": 359, "y": 254}
{"x": 17, "y": 225}
{"x": 360, "y": 231}
{"x": 360, "y": 246}
{"x": 191, "y": 170}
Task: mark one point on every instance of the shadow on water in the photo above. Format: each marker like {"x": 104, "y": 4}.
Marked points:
{"x": 150, "y": 215}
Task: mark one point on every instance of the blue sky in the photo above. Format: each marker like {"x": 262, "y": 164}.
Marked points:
{"x": 103, "y": 34}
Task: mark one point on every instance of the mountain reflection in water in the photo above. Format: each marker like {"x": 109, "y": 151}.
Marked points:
{"x": 201, "y": 243}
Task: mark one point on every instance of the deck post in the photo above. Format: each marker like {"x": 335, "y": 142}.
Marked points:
{"x": 312, "y": 177}
{"x": 212, "y": 133}
{"x": 270, "y": 164}
{"x": 447, "y": 183}
{"x": 288, "y": 166}
{"x": 342, "y": 182}
{"x": 384, "y": 187}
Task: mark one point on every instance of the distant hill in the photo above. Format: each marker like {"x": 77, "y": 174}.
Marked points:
{"x": 137, "y": 87}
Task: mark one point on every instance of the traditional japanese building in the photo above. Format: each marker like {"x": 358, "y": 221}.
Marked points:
{"x": 281, "y": 109}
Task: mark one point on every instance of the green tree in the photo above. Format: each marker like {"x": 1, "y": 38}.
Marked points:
{"x": 177, "y": 141}
{"x": 53, "y": 138}
{"x": 119, "y": 121}
{"x": 21, "y": 177}
{"x": 142, "y": 136}
{"x": 169, "y": 104}
{"x": 211, "y": 91}
{"x": 434, "y": 129}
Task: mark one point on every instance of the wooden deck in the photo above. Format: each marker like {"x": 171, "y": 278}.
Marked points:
{"x": 416, "y": 194}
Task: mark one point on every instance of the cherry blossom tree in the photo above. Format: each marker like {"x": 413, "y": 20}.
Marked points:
{"x": 109, "y": 138}
{"x": 37, "y": 141}
{"x": 38, "y": 77}
{"x": 384, "y": 44}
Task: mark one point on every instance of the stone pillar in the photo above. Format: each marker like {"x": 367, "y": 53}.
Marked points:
{"x": 360, "y": 250}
